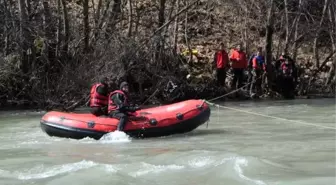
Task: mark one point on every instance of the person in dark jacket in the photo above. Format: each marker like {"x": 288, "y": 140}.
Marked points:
{"x": 98, "y": 98}
{"x": 118, "y": 105}
{"x": 250, "y": 68}
{"x": 258, "y": 69}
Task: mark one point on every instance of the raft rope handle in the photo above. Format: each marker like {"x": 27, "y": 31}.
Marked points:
{"x": 258, "y": 114}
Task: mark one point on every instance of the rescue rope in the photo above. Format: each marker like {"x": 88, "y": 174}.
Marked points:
{"x": 150, "y": 97}
{"x": 208, "y": 101}
{"x": 234, "y": 90}
{"x": 258, "y": 114}
{"x": 273, "y": 117}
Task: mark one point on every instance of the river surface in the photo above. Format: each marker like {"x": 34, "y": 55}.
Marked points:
{"x": 237, "y": 148}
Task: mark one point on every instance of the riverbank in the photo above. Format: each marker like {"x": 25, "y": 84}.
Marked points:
{"x": 24, "y": 105}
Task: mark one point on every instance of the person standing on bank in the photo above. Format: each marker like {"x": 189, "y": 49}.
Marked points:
{"x": 258, "y": 69}
{"x": 238, "y": 64}
{"x": 221, "y": 61}
{"x": 98, "y": 98}
{"x": 119, "y": 107}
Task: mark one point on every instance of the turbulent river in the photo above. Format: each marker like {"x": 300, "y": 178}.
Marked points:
{"x": 237, "y": 148}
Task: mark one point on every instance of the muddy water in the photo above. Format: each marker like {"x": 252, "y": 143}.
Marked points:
{"x": 236, "y": 149}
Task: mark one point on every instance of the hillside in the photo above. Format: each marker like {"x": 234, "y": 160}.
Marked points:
{"x": 52, "y": 51}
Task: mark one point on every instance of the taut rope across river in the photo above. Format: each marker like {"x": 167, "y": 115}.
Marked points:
{"x": 263, "y": 115}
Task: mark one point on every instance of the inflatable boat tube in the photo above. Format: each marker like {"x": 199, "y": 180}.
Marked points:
{"x": 159, "y": 121}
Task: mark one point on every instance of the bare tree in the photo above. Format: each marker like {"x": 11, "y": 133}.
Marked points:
{"x": 315, "y": 46}
{"x": 286, "y": 27}
{"x": 86, "y": 25}
{"x": 25, "y": 37}
{"x": 176, "y": 25}
{"x": 269, "y": 40}
{"x": 332, "y": 31}
{"x": 65, "y": 47}
{"x": 97, "y": 18}
{"x": 130, "y": 18}
{"x": 6, "y": 28}
{"x": 112, "y": 20}
{"x": 296, "y": 30}
{"x": 59, "y": 28}
{"x": 47, "y": 27}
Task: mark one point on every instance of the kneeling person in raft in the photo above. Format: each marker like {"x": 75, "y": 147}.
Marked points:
{"x": 118, "y": 105}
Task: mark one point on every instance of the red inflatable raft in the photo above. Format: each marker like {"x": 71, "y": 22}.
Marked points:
{"x": 152, "y": 122}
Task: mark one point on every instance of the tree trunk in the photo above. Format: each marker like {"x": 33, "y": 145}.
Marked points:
{"x": 66, "y": 29}
{"x": 169, "y": 17}
{"x": 59, "y": 28}
{"x": 296, "y": 31}
{"x": 161, "y": 15}
{"x": 86, "y": 25}
{"x": 332, "y": 32}
{"x": 176, "y": 28}
{"x": 101, "y": 20}
{"x": 28, "y": 8}
{"x": 111, "y": 24}
{"x": 246, "y": 38}
{"x": 278, "y": 48}
{"x": 187, "y": 40}
{"x": 161, "y": 20}
{"x": 137, "y": 22}
{"x": 315, "y": 47}
{"x": 287, "y": 27}
{"x": 269, "y": 40}
{"x": 130, "y": 21}
{"x": 6, "y": 28}
{"x": 25, "y": 39}
{"x": 160, "y": 41}
{"x": 47, "y": 29}
{"x": 97, "y": 18}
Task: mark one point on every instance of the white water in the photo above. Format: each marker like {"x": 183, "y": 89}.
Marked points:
{"x": 115, "y": 137}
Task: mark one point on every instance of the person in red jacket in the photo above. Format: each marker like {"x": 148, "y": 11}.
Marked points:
{"x": 221, "y": 62}
{"x": 238, "y": 64}
{"x": 119, "y": 106}
{"x": 98, "y": 98}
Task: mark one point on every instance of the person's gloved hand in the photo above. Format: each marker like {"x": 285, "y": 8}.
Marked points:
{"x": 253, "y": 72}
{"x": 134, "y": 108}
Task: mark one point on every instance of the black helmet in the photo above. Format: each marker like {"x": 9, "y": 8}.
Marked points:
{"x": 123, "y": 84}
{"x": 103, "y": 80}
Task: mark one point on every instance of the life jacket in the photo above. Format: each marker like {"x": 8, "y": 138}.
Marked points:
{"x": 258, "y": 62}
{"x": 221, "y": 59}
{"x": 287, "y": 69}
{"x": 238, "y": 59}
{"x": 250, "y": 61}
{"x": 111, "y": 105}
{"x": 96, "y": 99}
